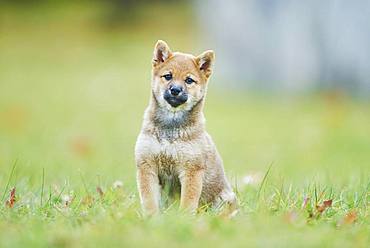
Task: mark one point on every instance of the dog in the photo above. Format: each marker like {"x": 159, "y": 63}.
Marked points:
{"x": 173, "y": 149}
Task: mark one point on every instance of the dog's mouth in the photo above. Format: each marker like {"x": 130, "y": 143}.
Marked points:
{"x": 175, "y": 101}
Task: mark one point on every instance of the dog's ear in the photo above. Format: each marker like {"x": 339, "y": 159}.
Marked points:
{"x": 161, "y": 52}
{"x": 205, "y": 62}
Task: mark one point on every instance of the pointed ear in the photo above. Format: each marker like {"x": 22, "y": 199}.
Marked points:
{"x": 205, "y": 62}
{"x": 161, "y": 52}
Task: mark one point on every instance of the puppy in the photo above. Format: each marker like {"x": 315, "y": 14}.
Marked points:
{"x": 173, "y": 149}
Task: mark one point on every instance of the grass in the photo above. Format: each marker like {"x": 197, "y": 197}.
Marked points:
{"x": 72, "y": 96}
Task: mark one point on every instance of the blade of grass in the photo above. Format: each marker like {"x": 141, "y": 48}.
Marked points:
{"x": 42, "y": 185}
{"x": 315, "y": 191}
{"x": 236, "y": 187}
{"x": 264, "y": 180}
{"x": 365, "y": 192}
{"x": 49, "y": 198}
{"x": 61, "y": 192}
{"x": 10, "y": 177}
{"x": 281, "y": 194}
{"x": 84, "y": 184}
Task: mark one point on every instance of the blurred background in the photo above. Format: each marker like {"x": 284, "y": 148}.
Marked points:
{"x": 291, "y": 46}
{"x": 291, "y": 84}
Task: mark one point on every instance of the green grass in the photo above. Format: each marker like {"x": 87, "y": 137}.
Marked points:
{"x": 72, "y": 95}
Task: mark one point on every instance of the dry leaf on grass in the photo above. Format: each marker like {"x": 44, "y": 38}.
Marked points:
{"x": 326, "y": 204}
{"x": 11, "y": 201}
{"x": 349, "y": 218}
{"x": 100, "y": 191}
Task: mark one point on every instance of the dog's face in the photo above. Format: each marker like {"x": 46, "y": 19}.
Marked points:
{"x": 179, "y": 81}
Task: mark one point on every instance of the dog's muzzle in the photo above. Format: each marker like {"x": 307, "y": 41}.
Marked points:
{"x": 175, "y": 96}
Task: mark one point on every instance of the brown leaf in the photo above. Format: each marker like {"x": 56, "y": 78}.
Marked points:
{"x": 100, "y": 191}
{"x": 10, "y": 202}
{"x": 326, "y": 204}
{"x": 350, "y": 217}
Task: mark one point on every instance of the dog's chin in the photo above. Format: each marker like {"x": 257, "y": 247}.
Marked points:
{"x": 176, "y": 103}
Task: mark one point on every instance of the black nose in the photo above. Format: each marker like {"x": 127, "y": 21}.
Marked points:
{"x": 175, "y": 90}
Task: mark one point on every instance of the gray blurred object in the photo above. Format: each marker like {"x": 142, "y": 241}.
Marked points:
{"x": 294, "y": 45}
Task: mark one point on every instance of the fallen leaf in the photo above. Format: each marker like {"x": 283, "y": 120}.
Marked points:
{"x": 10, "y": 202}
{"x": 326, "y": 204}
{"x": 100, "y": 191}
{"x": 350, "y": 217}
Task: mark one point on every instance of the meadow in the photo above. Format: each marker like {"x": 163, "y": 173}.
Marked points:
{"x": 72, "y": 95}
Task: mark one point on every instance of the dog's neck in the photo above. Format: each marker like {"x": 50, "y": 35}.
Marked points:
{"x": 175, "y": 124}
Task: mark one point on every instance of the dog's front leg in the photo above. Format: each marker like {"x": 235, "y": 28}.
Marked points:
{"x": 191, "y": 188}
{"x": 149, "y": 189}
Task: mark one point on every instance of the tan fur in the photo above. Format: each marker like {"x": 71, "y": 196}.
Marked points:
{"x": 173, "y": 147}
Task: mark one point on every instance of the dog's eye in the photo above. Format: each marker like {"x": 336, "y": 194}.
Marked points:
{"x": 168, "y": 76}
{"x": 189, "y": 80}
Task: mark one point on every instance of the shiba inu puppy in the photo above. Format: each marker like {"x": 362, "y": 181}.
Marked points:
{"x": 173, "y": 149}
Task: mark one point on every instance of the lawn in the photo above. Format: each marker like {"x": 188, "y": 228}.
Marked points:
{"x": 72, "y": 95}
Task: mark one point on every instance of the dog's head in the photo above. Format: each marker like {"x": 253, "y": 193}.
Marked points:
{"x": 179, "y": 80}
